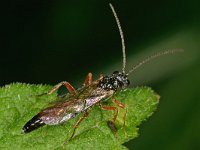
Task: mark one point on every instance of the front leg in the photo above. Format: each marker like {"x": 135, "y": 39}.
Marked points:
{"x": 112, "y": 108}
{"x": 125, "y": 114}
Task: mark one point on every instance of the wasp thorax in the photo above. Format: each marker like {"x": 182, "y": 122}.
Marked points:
{"x": 115, "y": 81}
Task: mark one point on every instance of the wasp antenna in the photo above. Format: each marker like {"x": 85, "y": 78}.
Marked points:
{"x": 122, "y": 37}
{"x": 153, "y": 57}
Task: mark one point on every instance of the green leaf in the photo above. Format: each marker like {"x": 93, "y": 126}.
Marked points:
{"x": 19, "y": 104}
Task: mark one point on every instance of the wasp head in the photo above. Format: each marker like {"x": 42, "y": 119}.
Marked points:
{"x": 115, "y": 81}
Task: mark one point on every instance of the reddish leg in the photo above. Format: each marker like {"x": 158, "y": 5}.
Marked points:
{"x": 85, "y": 114}
{"x": 124, "y": 107}
{"x": 111, "y": 108}
{"x": 88, "y": 80}
{"x": 111, "y": 124}
{"x": 66, "y": 84}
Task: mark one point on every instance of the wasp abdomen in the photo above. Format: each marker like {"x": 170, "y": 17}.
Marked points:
{"x": 33, "y": 124}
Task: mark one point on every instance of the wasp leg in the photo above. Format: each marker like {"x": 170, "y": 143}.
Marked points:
{"x": 69, "y": 87}
{"x": 88, "y": 79}
{"x": 126, "y": 111}
{"x": 85, "y": 114}
{"x": 111, "y": 124}
{"x": 111, "y": 108}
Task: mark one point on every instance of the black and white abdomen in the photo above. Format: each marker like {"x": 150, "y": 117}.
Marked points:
{"x": 53, "y": 116}
{"x": 46, "y": 119}
{"x": 33, "y": 124}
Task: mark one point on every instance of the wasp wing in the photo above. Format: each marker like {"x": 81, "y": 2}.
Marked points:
{"x": 54, "y": 115}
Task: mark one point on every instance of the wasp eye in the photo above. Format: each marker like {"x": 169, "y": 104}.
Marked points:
{"x": 115, "y": 72}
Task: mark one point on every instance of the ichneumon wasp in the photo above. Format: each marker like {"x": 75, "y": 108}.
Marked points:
{"x": 92, "y": 93}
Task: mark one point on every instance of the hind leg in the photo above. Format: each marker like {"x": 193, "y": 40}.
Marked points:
{"x": 85, "y": 114}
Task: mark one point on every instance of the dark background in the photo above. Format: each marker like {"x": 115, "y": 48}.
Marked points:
{"x": 50, "y": 41}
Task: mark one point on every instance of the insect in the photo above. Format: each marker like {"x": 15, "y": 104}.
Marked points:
{"x": 92, "y": 93}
